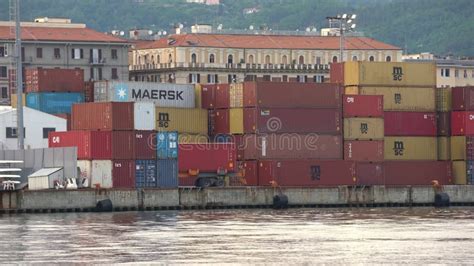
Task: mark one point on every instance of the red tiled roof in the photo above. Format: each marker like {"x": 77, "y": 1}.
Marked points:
{"x": 59, "y": 34}
{"x": 267, "y": 42}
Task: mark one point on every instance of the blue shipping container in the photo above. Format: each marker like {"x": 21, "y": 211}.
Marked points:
{"x": 167, "y": 173}
{"x": 145, "y": 174}
{"x": 167, "y": 145}
{"x": 53, "y": 102}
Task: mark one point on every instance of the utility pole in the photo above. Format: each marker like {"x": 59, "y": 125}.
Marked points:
{"x": 19, "y": 79}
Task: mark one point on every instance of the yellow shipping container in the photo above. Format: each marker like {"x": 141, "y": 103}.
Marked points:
{"x": 363, "y": 128}
{"x": 236, "y": 92}
{"x": 14, "y": 100}
{"x": 236, "y": 116}
{"x": 197, "y": 96}
{"x": 351, "y": 90}
{"x": 458, "y": 148}
{"x": 185, "y": 138}
{"x": 404, "y": 98}
{"x": 183, "y": 120}
{"x": 410, "y": 148}
{"x": 444, "y": 148}
{"x": 460, "y": 172}
{"x": 412, "y": 74}
{"x": 443, "y": 99}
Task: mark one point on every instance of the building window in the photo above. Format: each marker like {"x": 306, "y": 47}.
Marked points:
{"x": 11, "y": 132}
{"x": 46, "y": 131}
{"x": 456, "y": 73}
{"x": 3, "y": 72}
{"x": 193, "y": 58}
{"x": 194, "y": 78}
{"x": 354, "y": 58}
{"x": 284, "y": 60}
{"x": 153, "y": 59}
{"x": 39, "y": 52}
{"x": 318, "y": 79}
{"x": 77, "y": 53}
{"x": 302, "y": 78}
{"x": 318, "y": 60}
{"x": 230, "y": 59}
{"x": 3, "y": 51}
{"x": 170, "y": 58}
{"x": 251, "y": 59}
{"x": 212, "y": 58}
{"x": 114, "y": 73}
{"x": 465, "y": 74}
{"x": 442, "y": 72}
{"x": 212, "y": 79}
{"x": 447, "y": 72}
{"x": 267, "y": 59}
{"x": 158, "y": 61}
{"x": 472, "y": 74}
{"x": 301, "y": 60}
{"x": 232, "y": 78}
{"x": 114, "y": 54}
{"x": 57, "y": 53}
{"x": 371, "y": 58}
{"x": 334, "y": 59}
{"x": 100, "y": 73}
{"x": 4, "y": 93}
{"x": 388, "y": 59}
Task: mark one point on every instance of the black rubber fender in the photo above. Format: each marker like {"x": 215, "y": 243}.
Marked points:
{"x": 104, "y": 206}
{"x": 280, "y": 201}
{"x": 441, "y": 200}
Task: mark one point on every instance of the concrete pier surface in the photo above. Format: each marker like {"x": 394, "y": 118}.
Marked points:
{"x": 230, "y": 197}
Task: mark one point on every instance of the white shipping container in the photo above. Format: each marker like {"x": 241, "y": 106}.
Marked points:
{"x": 161, "y": 94}
{"x": 144, "y": 116}
{"x": 101, "y": 173}
{"x": 85, "y": 170}
{"x": 44, "y": 178}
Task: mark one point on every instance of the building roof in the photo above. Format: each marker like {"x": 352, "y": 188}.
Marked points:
{"x": 59, "y": 34}
{"x": 249, "y": 41}
{"x": 45, "y": 172}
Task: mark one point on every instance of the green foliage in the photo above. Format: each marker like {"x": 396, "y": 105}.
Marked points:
{"x": 439, "y": 26}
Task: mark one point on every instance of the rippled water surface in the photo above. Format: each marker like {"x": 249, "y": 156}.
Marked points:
{"x": 342, "y": 236}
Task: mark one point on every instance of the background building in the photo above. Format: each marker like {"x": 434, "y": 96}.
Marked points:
{"x": 221, "y": 58}
{"x": 51, "y": 43}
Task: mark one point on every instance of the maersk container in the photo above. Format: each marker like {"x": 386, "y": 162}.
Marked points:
{"x": 414, "y": 74}
{"x": 103, "y": 116}
{"x": 53, "y": 102}
{"x": 161, "y": 94}
{"x": 182, "y": 120}
{"x": 404, "y": 98}
{"x": 167, "y": 173}
{"x": 144, "y": 116}
{"x": 145, "y": 174}
{"x": 410, "y": 124}
{"x": 362, "y": 106}
{"x": 167, "y": 145}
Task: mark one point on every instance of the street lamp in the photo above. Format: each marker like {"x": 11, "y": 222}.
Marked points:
{"x": 345, "y": 23}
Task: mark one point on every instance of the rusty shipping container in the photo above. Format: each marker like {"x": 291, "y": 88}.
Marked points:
{"x": 462, "y": 148}
{"x": 398, "y": 173}
{"x": 414, "y": 74}
{"x": 410, "y": 148}
{"x": 54, "y": 80}
{"x": 336, "y": 73}
{"x": 208, "y": 96}
{"x": 292, "y": 95}
{"x": 444, "y": 148}
{"x": 292, "y": 120}
{"x": 306, "y": 173}
{"x": 207, "y": 158}
{"x": 222, "y": 96}
{"x": 404, "y": 98}
{"x": 359, "y": 128}
{"x": 443, "y": 99}
{"x": 462, "y": 123}
{"x": 463, "y": 98}
{"x": 443, "y": 123}
{"x": 370, "y": 174}
{"x": 182, "y": 120}
{"x": 290, "y": 146}
{"x": 410, "y": 124}
{"x": 221, "y": 121}
{"x": 363, "y": 150}
{"x": 103, "y": 116}
{"x": 362, "y": 106}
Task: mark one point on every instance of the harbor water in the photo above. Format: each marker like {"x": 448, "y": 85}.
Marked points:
{"x": 294, "y": 236}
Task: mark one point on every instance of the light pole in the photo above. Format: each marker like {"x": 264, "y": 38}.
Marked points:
{"x": 345, "y": 23}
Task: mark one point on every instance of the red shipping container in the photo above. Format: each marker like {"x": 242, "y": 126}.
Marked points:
{"x": 292, "y": 95}
{"x": 222, "y": 96}
{"x": 103, "y": 116}
{"x": 207, "y": 158}
{"x": 463, "y": 99}
{"x": 403, "y": 173}
{"x": 291, "y": 146}
{"x": 462, "y": 123}
{"x": 54, "y": 80}
{"x": 145, "y": 145}
{"x": 68, "y": 120}
{"x": 221, "y": 121}
{"x": 362, "y": 105}
{"x": 307, "y": 173}
{"x": 208, "y": 96}
{"x": 123, "y": 173}
{"x": 410, "y": 124}
{"x": 292, "y": 120}
{"x": 336, "y": 73}
{"x": 443, "y": 123}
{"x": 363, "y": 150}
{"x": 370, "y": 174}
{"x": 250, "y": 172}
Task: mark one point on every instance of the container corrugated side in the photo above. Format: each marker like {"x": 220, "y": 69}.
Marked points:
{"x": 413, "y": 74}
{"x": 362, "y": 106}
{"x": 145, "y": 174}
{"x": 462, "y": 123}
{"x": 410, "y": 124}
{"x": 410, "y": 148}
{"x": 336, "y": 73}
{"x": 167, "y": 173}
{"x": 443, "y": 123}
{"x": 167, "y": 145}
{"x": 101, "y": 174}
{"x": 207, "y": 158}
{"x": 444, "y": 148}
{"x": 462, "y": 148}
{"x": 236, "y": 92}
{"x": 370, "y": 174}
{"x": 459, "y": 172}
{"x": 221, "y": 121}
{"x": 236, "y": 119}
{"x": 359, "y": 128}
{"x": 123, "y": 173}
{"x": 363, "y": 150}
{"x": 404, "y": 98}
{"x": 208, "y": 96}
{"x": 54, "y": 80}
{"x": 403, "y": 173}
{"x": 53, "y": 102}
{"x": 193, "y": 121}
{"x": 103, "y": 116}
{"x": 463, "y": 98}
{"x": 443, "y": 99}
{"x": 144, "y": 116}
{"x": 144, "y": 144}
{"x": 222, "y": 96}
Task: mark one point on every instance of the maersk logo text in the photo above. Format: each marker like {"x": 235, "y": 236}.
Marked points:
{"x": 157, "y": 95}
